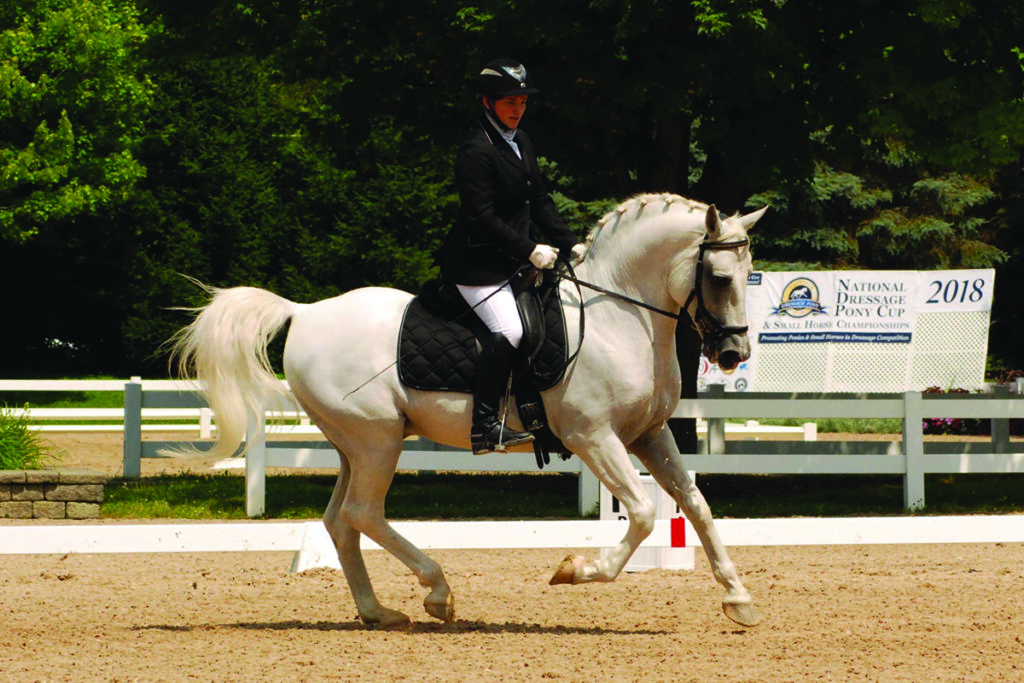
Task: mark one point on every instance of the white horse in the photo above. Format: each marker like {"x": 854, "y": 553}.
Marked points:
{"x": 614, "y": 400}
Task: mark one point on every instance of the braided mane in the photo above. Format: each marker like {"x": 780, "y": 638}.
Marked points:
{"x": 637, "y": 204}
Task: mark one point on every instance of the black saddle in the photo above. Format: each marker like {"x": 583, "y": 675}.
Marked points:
{"x": 440, "y": 342}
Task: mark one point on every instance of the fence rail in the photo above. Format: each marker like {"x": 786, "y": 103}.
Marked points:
{"x": 910, "y": 456}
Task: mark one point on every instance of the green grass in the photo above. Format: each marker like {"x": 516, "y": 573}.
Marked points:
{"x": 840, "y": 426}
{"x": 554, "y": 496}
{"x": 65, "y": 399}
{"x": 548, "y": 495}
{"x": 297, "y": 496}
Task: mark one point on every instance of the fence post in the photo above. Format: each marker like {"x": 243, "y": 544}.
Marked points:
{"x": 1000, "y": 427}
{"x": 132, "y": 452}
{"x": 913, "y": 451}
{"x": 205, "y": 423}
{"x": 810, "y": 431}
{"x": 716, "y": 425}
{"x": 256, "y": 465}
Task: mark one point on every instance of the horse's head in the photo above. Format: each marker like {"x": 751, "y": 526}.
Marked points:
{"x": 708, "y": 261}
{"x": 717, "y": 300}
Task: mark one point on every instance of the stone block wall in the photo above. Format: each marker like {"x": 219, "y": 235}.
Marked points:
{"x": 51, "y": 494}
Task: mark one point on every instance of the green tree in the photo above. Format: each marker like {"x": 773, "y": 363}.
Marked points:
{"x": 901, "y": 92}
{"x": 71, "y": 106}
{"x": 887, "y": 220}
{"x": 307, "y": 146}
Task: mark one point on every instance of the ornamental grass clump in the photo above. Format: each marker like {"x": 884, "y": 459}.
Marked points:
{"x": 20, "y": 447}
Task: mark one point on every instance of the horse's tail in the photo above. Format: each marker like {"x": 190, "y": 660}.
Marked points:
{"x": 225, "y": 349}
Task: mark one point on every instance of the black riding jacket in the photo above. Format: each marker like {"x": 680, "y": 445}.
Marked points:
{"x": 501, "y": 197}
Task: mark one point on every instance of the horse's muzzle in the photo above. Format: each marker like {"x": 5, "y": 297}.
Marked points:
{"x": 732, "y": 350}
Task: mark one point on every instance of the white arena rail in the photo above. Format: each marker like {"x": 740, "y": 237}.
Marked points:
{"x": 312, "y": 547}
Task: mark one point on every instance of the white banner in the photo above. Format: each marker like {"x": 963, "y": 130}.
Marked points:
{"x": 862, "y": 306}
{"x": 955, "y": 290}
{"x": 853, "y": 307}
{"x": 791, "y": 313}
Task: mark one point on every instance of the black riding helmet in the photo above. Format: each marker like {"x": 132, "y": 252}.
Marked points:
{"x": 504, "y": 77}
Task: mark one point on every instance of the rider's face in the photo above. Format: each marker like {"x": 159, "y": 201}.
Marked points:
{"x": 510, "y": 109}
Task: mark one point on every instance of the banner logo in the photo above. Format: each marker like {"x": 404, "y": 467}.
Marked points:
{"x": 799, "y": 299}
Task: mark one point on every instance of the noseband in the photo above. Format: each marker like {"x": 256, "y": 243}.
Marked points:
{"x": 711, "y": 330}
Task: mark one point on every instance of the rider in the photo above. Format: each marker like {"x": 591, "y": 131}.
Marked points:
{"x": 501, "y": 197}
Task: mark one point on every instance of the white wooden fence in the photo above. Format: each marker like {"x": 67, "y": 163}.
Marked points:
{"x": 105, "y": 419}
{"x": 148, "y": 399}
{"x": 910, "y": 457}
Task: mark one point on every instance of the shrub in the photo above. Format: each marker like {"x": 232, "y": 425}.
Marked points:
{"x": 20, "y": 447}
{"x": 966, "y": 426}
{"x": 949, "y": 425}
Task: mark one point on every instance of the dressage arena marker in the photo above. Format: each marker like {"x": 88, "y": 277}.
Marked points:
{"x": 675, "y": 555}
{"x": 312, "y": 546}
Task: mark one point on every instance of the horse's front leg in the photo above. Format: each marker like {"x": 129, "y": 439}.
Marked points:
{"x": 658, "y": 452}
{"x": 610, "y": 463}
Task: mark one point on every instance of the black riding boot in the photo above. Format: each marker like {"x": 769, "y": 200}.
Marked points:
{"x": 492, "y": 373}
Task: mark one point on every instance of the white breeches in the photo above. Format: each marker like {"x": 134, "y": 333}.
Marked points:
{"x": 495, "y": 305}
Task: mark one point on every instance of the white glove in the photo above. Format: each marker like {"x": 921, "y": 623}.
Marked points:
{"x": 544, "y": 256}
{"x": 579, "y": 252}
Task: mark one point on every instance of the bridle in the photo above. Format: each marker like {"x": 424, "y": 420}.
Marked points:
{"x": 711, "y": 329}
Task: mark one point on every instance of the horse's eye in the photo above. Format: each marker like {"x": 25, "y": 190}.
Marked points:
{"x": 721, "y": 280}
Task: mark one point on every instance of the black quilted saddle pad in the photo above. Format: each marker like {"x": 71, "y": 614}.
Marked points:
{"x": 438, "y": 353}
{"x": 435, "y": 354}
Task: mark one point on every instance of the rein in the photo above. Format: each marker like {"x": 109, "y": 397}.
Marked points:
{"x": 616, "y": 295}
{"x": 705, "y": 319}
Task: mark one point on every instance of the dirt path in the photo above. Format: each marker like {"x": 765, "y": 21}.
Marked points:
{"x": 870, "y": 613}
{"x": 845, "y": 613}
{"x": 104, "y": 452}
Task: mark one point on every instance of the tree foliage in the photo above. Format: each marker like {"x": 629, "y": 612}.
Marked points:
{"x": 307, "y": 146}
{"x": 72, "y": 104}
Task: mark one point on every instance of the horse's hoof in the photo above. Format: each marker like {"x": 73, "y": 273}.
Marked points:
{"x": 444, "y": 611}
{"x": 389, "y": 618}
{"x": 744, "y": 614}
{"x": 566, "y": 572}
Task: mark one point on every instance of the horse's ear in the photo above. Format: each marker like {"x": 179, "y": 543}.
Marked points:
{"x": 712, "y": 223}
{"x": 748, "y": 221}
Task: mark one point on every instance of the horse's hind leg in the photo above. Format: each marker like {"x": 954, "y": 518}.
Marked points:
{"x": 346, "y": 542}
{"x": 357, "y": 506}
{"x": 658, "y": 452}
